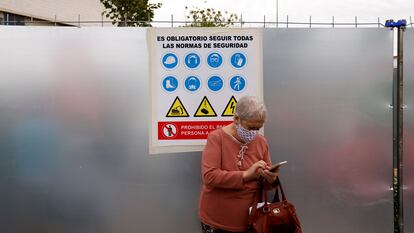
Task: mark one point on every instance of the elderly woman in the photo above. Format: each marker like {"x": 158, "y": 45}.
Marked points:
{"x": 233, "y": 159}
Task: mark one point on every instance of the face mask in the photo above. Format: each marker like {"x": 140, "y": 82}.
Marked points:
{"x": 246, "y": 135}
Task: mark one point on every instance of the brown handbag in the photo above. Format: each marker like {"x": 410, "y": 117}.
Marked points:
{"x": 276, "y": 217}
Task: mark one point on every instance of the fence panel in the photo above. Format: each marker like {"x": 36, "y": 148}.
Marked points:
{"x": 328, "y": 93}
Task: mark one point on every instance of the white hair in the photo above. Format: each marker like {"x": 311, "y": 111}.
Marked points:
{"x": 251, "y": 108}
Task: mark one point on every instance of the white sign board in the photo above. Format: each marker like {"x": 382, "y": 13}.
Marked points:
{"x": 197, "y": 75}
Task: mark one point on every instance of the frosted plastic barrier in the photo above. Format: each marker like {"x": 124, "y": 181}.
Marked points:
{"x": 328, "y": 92}
{"x": 74, "y": 137}
{"x": 408, "y": 131}
{"x": 74, "y": 132}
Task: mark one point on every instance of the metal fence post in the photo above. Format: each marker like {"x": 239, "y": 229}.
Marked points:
{"x": 356, "y": 21}
{"x": 310, "y": 21}
{"x": 277, "y": 13}
{"x": 241, "y": 20}
{"x": 287, "y": 21}
{"x": 398, "y": 138}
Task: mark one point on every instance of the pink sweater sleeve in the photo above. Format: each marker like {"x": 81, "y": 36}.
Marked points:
{"x": 211, "y": 171}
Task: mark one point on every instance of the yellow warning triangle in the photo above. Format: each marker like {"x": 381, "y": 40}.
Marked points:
{"x": 177, "y": 109}
{"x": 205, "y": 109}
{"x": 230, "y": 107}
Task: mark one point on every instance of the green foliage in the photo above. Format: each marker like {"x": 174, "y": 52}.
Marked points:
{"x": 210, "y": 17}
{"x": 130, "y": 12}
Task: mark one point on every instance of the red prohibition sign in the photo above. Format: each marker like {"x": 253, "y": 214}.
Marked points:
{"x": 169, "y": 130}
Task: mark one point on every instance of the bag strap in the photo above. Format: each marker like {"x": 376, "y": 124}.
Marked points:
{"x": 278, "y": 187}
{"x": 261, "y": 196}
{"x": 276, "y": 196}
{"x": 260, "y": 191}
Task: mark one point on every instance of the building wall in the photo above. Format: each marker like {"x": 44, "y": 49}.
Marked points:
{"x": 10, "y": 19}
{"x": 63, "y": 10}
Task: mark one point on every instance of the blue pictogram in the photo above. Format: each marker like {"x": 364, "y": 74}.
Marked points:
{"x": 237, "y": 83}
{"x": 215, "y": 83}
{"x": 238, "y": 60}
{"x": 170, "y": 60}
{"x": 192, "y": 83}
{"x": 192, "y": 60}
{"x": 170, "y": 83}
{"x": 214, "y": 60}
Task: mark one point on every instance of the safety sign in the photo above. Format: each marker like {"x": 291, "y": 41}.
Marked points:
{"x": 169, "y": 130}
{"x": 188, "y": 130}
{"x": 177, "y": 109}
{"x": 205, "y": 109}
{"x": 238, "y": 60}
{"x": 192, "y": 83}
{"x": 192, "y": 60}
{"x": 197, "y": 75}
{"x": 215, "y": 83}
{"x": 214, "y": 60}
{"x": 237, "y": 83}
{"x": 170, "y": 60}
{"x": 230, "y": 107}
{"x": 170, "y": 83}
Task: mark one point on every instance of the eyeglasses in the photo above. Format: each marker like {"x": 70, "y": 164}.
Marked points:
{"x": 252, "y": 124}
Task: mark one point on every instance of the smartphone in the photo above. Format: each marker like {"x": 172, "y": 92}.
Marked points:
{"x": 276, "y": 166}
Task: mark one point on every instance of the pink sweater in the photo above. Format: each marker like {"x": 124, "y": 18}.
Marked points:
{"x": 224, "y": 198}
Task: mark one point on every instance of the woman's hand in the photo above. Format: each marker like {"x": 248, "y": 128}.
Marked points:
{"x": 268, "y": 175}
{"x": 254, "y": 171}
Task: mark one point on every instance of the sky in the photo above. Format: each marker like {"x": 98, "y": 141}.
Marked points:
{"x": 298, "y": 10}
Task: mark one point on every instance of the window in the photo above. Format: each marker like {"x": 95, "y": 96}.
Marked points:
{"x": 12, "y": 19}
{"x": 1, "y": 18}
